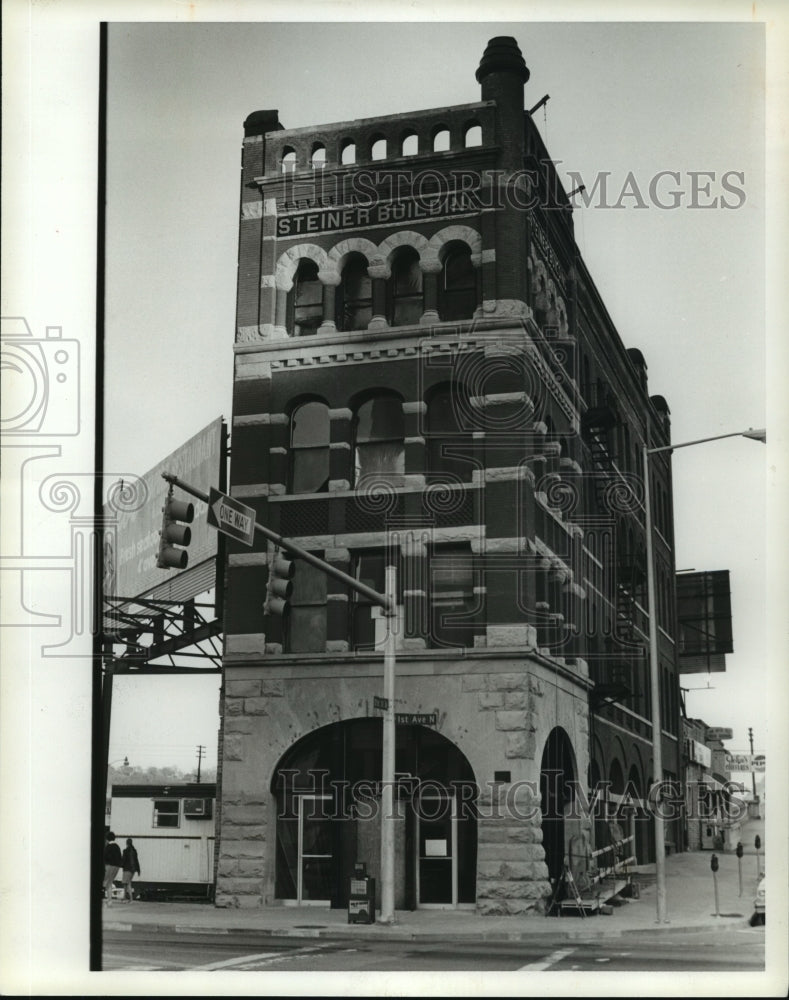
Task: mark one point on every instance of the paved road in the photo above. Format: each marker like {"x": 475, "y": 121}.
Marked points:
{"x": 740, "y": 949}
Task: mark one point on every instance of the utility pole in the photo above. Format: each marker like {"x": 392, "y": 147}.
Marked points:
{"x": 753, "y": 773}
{"x": 200, "y": 752}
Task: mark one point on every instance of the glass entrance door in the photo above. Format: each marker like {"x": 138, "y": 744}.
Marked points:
{"x": 436, "y": 849}
{"x": 315, "y": 849}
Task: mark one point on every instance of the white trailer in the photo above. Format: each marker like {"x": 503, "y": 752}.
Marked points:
{"x": 172, "y": 827}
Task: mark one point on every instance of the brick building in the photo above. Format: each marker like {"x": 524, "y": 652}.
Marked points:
{"x": 426, "y": 375}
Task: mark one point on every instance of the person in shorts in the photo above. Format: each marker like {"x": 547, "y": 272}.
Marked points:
{"x": 131, "y": 867}
{"x": 113, "y": 861}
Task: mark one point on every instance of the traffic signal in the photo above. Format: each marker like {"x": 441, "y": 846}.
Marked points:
{"x": 714, "y": 862}
{"x": 177, "y": 515}
{"x": 280, "y": 584}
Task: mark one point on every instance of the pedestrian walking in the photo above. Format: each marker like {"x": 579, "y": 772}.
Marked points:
{"x": 131, "y": 867}
{"x": 113, "y": 860}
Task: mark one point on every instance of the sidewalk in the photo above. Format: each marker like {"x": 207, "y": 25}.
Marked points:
{"x": 689, "y": 893}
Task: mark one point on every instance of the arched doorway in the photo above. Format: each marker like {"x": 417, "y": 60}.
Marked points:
{"x": 327, "y": 789}
{"x": 557, "y": 774}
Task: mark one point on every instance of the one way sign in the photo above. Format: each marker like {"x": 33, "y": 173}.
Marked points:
{"x": 231, "y": 517}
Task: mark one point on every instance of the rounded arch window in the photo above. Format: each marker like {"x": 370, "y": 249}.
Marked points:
{"x": 288, "y": 160}
{"x": 305, "y": 300}
{"x": 404, "y": 288}
{"x": 353, "y": 301}
{"x": 457, "y": 297}
{"x": 378, "y": 148}
{"x": 309, "y": 447}
{"x": 319, "y": 156}
{"x": 441, "y": 140}
{"x": 410, "y": 144}
{"x": 473, "y": 136}
{"x": 379, "y": 449}
{"x": 348, "y": 152}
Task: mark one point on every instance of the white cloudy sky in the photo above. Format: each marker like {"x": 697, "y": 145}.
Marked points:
{"x": 686, "y": 286}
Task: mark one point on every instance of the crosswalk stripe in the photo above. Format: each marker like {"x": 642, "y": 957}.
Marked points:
{"x": 548, "y": 961}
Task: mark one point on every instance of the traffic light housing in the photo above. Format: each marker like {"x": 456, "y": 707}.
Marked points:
{"x": 177, "y": 515}
{"x": 714, "y": 862}
{"x": 280, "y": 584}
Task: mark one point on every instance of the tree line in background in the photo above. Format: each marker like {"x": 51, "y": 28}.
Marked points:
{"x": 168, "y": 775}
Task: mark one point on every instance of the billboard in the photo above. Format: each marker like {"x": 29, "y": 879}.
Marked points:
{"x": 133, "y": 520}
{"x": 704, "y": 621}
{"x": 745, "y": 762}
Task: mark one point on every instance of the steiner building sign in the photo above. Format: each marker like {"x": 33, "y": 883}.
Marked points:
{"x": 383, "y": 213}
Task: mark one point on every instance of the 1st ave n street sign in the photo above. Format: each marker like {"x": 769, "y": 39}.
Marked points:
{"x": 231, "y": 517}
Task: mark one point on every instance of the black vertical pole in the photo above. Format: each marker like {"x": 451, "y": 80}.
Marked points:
{"x": 99, "y": 755}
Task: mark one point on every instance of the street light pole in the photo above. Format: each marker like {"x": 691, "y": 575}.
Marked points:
{"x": 654, "y": 689}
{"x": 654, "y": 667}
{"x": 387, "y": 915}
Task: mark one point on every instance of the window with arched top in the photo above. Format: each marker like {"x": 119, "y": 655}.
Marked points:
{"x": 319, "y": 156}
{"x": 473, "y": 136}
{"x": 441, "y": 140}
{"x": 410, "y": 144}
{"x": 449, "y": 441}
{"x": 457, "y": 290}
{"x": 288, "y": 160}
{"x": 305, "y": 301}
{"x": 353, "y": 301}
{"x": 404, "y": 288}
{"x": 348, "y": 152}
{"x": 309, "y": 448}
{"x": 378, "y": 148}
{"x": 379, "y": 449}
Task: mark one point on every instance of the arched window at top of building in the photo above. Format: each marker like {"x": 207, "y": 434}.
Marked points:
{"x": 404, "y": 288}
{"x": 410, "y": 144}
{"x": 441, "y": 140}
{"x": 379, "y": 429}
{"x": 319, "y": 156}
{"x": 309, "y": 448}
{"x": 305, "y": 300}
{"x": 473, "y": 135}
{"x": 348, "y": 152}
{"x": 449, "y": 438}
{"x": 457, "y": 291}
{"x": 353, "y": 301}
{"x": 378, "y": 148}
{"x": 288, "y": 160}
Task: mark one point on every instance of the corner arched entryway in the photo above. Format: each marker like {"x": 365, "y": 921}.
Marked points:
{"x": 557, "y": 777}
{"x": 327, "y": 790}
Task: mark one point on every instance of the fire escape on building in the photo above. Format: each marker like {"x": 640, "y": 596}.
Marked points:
{"x": 599, "y": 424}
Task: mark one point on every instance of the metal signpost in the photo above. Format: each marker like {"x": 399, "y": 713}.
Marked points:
{"x": 238, "y": 521}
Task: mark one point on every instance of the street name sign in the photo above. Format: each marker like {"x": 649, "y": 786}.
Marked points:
{"x": 231, "y": 517}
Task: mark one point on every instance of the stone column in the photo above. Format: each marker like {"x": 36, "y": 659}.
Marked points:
{"x": 379, "y": 273}
{"x": 340, "y": 449}
{"x": 431, "y": 268}
{"x": 337, "y": 598}
{"x": 279, "y": 437}
{"x": 330, "y": 280}
{"x": 415, "y": 414}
